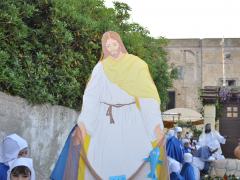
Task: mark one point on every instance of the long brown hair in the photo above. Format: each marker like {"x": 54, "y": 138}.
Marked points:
{"x": 113, "y": 35}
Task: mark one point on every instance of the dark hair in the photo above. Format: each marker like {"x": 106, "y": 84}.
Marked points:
{"x": 21, "y": 170}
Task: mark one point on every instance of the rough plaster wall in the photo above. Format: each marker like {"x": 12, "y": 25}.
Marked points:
{"x": 186, "y": 89}
{"x": 210, "y": 115}
{"x": 202, "y": 64}
{"x": 212, "y": 61}
{"x": 45, "y": 127}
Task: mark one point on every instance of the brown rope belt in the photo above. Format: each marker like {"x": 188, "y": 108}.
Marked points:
{"x": 109, "y": 110}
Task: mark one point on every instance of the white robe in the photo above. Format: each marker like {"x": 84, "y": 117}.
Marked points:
{"x": 198, "y": 165}
{"x": 212, "y": 140}
{"x": 119, "y": 148}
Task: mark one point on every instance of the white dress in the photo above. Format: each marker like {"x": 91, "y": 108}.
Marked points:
{"x": 213, "y": 140}
{"x": 117, "y": 148}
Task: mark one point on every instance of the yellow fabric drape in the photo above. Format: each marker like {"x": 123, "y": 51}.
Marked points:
{"x": 82, "y": 165}
{"x": 132, "y": 75}
{"x": 162, "y": 169}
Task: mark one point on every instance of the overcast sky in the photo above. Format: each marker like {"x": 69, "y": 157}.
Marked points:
{"x": 187, "y": 18}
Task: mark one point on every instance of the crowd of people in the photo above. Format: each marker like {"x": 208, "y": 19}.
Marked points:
{"x": 15, "y": 163}
{"x": 189, "y": 158}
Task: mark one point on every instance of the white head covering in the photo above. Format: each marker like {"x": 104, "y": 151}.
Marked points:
{"x": 188, "y": 157}
{"x": 175, "y": 167}
{"x": 185, "y": 141}
{"x": 176, "y": 163}
{"x": 28, "y": 162}
{"x": 178, "y": 129}
{"x": 170, "y": 133}
{"x": 10, "y": 147}
{"x": 22, "y": 143}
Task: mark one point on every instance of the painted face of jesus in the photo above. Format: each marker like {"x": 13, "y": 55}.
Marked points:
{"x": 113, "y": 47}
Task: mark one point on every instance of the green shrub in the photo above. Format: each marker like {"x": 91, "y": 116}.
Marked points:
{"x": 48, "y": 48}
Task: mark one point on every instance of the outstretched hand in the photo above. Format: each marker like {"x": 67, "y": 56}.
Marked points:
{"x": 79, "y": 134}
{"x": 160, "y": 135}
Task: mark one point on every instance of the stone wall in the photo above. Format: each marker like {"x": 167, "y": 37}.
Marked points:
{"x": 212, "y": 61}
{"x": 45, "y": 127}
{"x": 185, "y": 55}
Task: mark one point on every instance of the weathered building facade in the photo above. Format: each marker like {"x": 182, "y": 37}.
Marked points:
{"x": 199, "y": 64}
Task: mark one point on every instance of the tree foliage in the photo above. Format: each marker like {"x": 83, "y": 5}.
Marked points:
{"x": 48, "y": 48}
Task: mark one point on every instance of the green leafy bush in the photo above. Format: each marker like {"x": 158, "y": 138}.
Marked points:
{"x": 48, "y": 48}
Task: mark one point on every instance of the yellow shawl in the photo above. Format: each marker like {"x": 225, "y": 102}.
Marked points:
{"x": 132, "y": 75}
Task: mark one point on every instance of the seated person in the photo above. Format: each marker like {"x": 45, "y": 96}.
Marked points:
{"x": 204, "y": 153}
{"x": 213, "y": 140}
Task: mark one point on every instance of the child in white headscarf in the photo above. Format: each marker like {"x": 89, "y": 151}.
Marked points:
{"x": 21, "y": 168}
{"x": 12, "y": 147}
{"x": 175, "y": 169}
{"x": 174, "y": 146}
{"x": 187, "y": 170}
{"x": 186, "y": 146}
